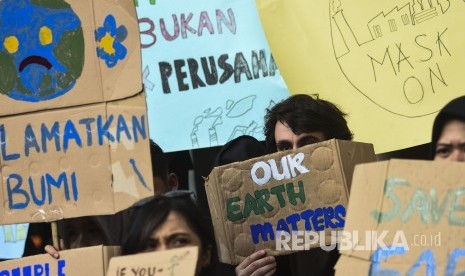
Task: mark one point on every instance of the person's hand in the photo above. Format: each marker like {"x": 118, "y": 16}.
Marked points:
{"x": 52, "y": 251}
{"x": 257, "y": 264}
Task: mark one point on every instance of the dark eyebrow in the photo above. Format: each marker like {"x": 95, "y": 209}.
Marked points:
{"x": 443, "y": 145}
{"x": 449, "y": 145}
{"x": 177, "y": 235}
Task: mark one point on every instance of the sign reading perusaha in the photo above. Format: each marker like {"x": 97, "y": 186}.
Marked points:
{"x": 208, "y": 71}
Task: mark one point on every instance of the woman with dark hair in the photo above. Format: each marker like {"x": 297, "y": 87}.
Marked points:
{"x": 172, "y": 221}
{"x": 448, "y": 138}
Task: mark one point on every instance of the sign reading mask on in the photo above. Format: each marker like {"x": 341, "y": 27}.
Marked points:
{"x": 414, "y": 215}
{"x": 253, "y": 203}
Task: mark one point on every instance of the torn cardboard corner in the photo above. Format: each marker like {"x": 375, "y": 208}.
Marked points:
{"x": 88, "y": 160}
{"x": 408, "y": 216}
{"x": 306, "y": 190}
{"x": 68, "y": 53}
{"x": 83, "y": 261}
{"x": 175, "y": 262}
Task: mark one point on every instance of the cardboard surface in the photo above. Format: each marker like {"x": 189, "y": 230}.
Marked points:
{"x": 68, "y": 53}
{"x": 175, "y": 262}
{"x": 76, "y": 149}
{"x": 79, "y": 171}
{"x": 317, "y": 182}
{"x": 423, "y": 201}
{"x": 83, "y": 261}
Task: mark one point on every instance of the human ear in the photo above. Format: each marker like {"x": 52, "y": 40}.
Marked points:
{"x": 173, "y": 182}
{"x": 206, "y": 257}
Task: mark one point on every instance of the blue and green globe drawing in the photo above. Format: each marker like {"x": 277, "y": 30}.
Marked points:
{"x": 41, "y": 49}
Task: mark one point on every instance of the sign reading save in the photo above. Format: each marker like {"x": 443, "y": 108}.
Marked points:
{"x": 416, "y": 210}
{"x": 307, "y": 190}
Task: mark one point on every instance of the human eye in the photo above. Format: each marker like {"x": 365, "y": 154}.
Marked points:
{"x": 443, "y": 151}
{"x": 282, "y": 146}
{"x": 151, "y": 245}
{"x": 308, "y": 140}
{"x": 180, "y": 242}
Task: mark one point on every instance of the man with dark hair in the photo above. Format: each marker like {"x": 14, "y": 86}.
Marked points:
{"x": 293, "y": 123}
{"x": 302, "y": 120}
{"x": 163, "y": 180}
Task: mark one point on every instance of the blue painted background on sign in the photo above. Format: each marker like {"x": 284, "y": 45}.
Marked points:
{"x": 208, "y": 72}
{"x": 12, "y": 240}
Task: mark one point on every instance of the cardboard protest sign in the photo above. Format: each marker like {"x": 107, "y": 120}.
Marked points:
{"x": 83, "y": 261}
{"x": 12, "y": 240}
{"x": 390, "y": 64}
{"x": 61, "y": 53}
{"x": 75, "y": 171}
{"x": 73, "y": 124}
{"x": 175, "y": 262}
{"x": 208, "y": 71}
{"x": 405, "y": 217}
{"x": 306, "y": 190}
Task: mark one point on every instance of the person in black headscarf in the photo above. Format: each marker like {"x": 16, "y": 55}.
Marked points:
{"x": 448, "y": 137}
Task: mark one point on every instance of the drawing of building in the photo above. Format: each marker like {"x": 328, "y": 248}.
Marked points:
{"x": 394, "y": 20}
{"x": 424, "y": 10}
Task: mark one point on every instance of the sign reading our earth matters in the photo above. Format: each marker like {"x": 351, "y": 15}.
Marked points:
{"x": 252, "y": 203}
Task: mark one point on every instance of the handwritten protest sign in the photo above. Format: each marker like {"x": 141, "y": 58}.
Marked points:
{"x": 13, "y": 240}
{"x": 389, "y": 64}
{"x": 208, "y": 72}
{"x": 83, "y": 261}
{"x": 73, "y": 124}
{"x": 413, "y": 214}
{"x": 254, "y": 201}
{"x": 175, "y": 262}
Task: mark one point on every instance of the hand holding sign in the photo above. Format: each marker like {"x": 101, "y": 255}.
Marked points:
{"x": 256, "y": 201}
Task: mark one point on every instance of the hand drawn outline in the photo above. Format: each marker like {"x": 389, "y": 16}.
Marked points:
{"x": 416, "y": 80}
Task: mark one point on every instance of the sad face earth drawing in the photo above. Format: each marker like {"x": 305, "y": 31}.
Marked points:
{"x": 41, "y": 49}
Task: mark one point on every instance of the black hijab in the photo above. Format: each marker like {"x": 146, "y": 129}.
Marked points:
{"x": 455, "y": 109}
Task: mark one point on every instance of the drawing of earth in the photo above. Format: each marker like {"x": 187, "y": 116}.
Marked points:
{"x": 406, "y": 57}
{"x": 41, "y": 49}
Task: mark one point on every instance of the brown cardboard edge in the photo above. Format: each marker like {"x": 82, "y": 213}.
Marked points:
{"x": 337, "y": 153}
{"x": 211, "y": 188}
{"x": 108, "y": 252}
{"x": 378, "y": 170}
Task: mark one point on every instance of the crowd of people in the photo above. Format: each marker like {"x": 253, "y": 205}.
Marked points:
{"x": 172, "y": 219}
